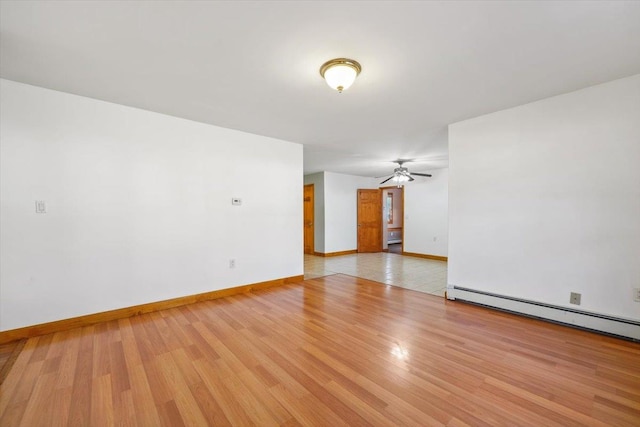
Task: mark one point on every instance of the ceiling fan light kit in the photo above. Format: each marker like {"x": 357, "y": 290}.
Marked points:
{"x": 340, "y": 73}
{"x": 401, "y": 174}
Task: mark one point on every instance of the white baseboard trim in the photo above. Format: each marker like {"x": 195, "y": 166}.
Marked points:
{"x": 625, "y": 328}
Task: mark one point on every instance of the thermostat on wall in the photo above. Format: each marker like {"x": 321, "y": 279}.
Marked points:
{"x": 41, "y": 206}
{"x": 236, "y": 201}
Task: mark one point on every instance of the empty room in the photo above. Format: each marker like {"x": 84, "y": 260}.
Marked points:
{"x": 314, "y": 213}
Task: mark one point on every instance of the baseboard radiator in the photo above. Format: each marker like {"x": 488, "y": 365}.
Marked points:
{"x": 620, "y": 327}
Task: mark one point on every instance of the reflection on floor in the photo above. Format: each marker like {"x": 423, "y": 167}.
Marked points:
{"x": 419, "y": 274}
{"x": 395, "y": 248}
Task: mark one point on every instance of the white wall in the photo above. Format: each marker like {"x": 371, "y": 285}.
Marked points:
{"x": 317, "y": 179}
{"x": 544, "y": 199}
{"x": 341, "y": 210}
{"x": 426, "y": 229}
{"x": 139, "y": 206}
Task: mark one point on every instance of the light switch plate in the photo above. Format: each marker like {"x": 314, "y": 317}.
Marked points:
{"x": 236, "y": 201}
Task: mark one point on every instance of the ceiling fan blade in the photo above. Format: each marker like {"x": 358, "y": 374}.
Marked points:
{"x": 420, "y": 174}
{"x": 410, "y": 178}
{"x": 387, "y": 179}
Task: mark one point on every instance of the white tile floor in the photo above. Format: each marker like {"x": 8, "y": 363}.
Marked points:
{"x": 419, "y": 274}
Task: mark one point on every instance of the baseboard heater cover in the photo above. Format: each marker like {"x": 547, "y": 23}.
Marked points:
{"x": 621, "y": 327}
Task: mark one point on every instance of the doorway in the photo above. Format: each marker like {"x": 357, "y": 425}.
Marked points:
{"x": 308, "y": 227}
{"x": 393, "y": 219}
{"x": 381, "y": 220}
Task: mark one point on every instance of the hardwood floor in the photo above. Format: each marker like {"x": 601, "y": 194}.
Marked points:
{"x": 8, "y": 354}
{"x": 332, "y": 351}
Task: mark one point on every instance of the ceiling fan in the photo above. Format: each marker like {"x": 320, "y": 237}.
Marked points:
{"x": 402, "y": 174}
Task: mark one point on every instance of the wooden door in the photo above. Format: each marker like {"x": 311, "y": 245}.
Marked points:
{"x": 309, "y": 247}
{"x": 369, "y": 221}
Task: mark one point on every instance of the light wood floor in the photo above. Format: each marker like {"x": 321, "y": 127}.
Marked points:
{"x": 8, "y": 353}
{"x": 331, "y": 351}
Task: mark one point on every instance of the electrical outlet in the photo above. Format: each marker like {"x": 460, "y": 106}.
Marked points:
{"x": 636, "y": 294}
{"x": 232, "y": 263}
{"x": 575, "y": 298}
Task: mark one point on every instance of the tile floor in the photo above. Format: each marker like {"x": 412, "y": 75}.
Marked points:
{"x": 419, "y": 274}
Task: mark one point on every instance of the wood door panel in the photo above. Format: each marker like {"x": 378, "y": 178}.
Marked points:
{"x": 308, "y": 225}
{"x": 369, "y": 221}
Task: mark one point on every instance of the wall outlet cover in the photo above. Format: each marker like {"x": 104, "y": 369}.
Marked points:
{"x": 575, "y": 298}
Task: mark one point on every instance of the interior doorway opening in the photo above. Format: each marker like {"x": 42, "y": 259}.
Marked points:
{"x": 381, "y": 220}
{"x": 393, "y": 219}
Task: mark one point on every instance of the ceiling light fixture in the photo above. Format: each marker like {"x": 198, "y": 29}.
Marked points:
{"x": 340, "y": 73}
{"x": 400, "y": 178}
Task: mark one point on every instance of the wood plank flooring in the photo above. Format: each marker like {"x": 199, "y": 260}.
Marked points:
{"x": 8, "y": 354}
{"x": 332, "y": 351}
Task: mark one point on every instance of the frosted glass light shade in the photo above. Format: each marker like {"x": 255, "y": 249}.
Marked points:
{"x": 340, "y": 77}
{"x": 340, "y": 73}
{"x": 401, "y": 178}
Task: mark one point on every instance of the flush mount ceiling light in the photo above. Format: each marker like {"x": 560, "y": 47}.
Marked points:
{"x": 340, "y": 73}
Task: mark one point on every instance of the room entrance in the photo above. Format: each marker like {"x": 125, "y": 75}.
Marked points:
{"x": 393, "y": 219}
{"x": 381, "y": 220}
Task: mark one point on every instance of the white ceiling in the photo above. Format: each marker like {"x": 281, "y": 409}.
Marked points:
{"x": 253, "y": 66}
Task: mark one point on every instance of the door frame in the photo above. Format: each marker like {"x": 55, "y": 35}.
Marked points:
{"x": 401, "y": 188}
